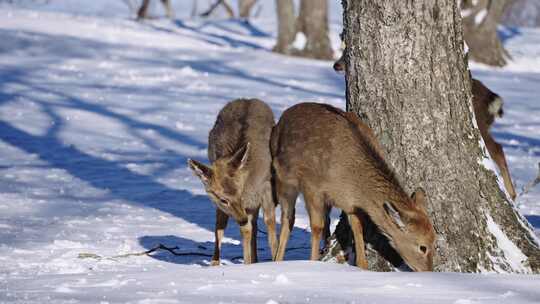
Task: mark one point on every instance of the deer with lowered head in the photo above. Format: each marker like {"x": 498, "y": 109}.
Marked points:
{"x": 487, "y": 107}
{"x": 334, "y": 159}
{"x": 238, "y": 180}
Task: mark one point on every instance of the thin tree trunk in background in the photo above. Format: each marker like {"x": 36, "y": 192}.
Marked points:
{"x": 216, "y": 4}
{"x": 313, "y": 22}
{"x": 286, "y": 27}
{"x": 522, "y": 13}
{"x": 407, "y": 78}
{"x": 480, "y": 21}
{"x": 244, "y": 7}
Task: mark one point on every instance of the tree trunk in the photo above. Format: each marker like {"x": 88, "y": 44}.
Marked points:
{"x": 480, "y": 20}
{"x": 286, "y": 27}
{"x": 408, "y": 79}
{"x": 522, "y": 13}
{"x": 244, "y": 7}
{"x": 313, "y": 22}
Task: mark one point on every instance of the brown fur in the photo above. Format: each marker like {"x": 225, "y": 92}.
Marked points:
{"x": 487, "y": 106}
{"x": 332, "y": 158}
{"x": 238, "y": 180}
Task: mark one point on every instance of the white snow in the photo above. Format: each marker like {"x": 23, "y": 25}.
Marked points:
{"x": 511, "y": 252}
{"x": 98, "y": 115}
{"x": 480, "y": 16}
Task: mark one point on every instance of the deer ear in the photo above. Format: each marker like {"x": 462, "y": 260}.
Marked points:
{"x": 394, "y": 215}
{"x": 201, "y": 170}
{"x": 240, "y": 157}
{"x": 419, "y": 197}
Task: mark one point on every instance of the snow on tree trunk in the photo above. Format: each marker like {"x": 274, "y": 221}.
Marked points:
{"x": 480, "y": 20}
{"x": 408, "y": 79}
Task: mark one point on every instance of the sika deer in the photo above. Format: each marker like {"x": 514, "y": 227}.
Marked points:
{"x": 238, "y": 180}
{"x": 488, "y": 106}
{"x": 333, "y": 159}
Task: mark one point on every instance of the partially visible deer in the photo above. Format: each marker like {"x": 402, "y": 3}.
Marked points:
{"x": 487, "y": 107}
{"x": 238, "y": 180}
{"x": 333, "y": 159}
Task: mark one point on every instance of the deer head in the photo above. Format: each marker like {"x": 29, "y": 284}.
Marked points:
{"x": 224, "y": 182}
{"x": 410, "y": 231}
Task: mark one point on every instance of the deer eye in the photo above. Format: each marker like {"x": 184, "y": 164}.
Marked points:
{"x": 224, "y": 202}
{"x": 423, "y": 249}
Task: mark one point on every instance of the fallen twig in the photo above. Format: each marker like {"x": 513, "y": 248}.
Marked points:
{"x": 147, "y": 252}
{"x": 171, "y": 250}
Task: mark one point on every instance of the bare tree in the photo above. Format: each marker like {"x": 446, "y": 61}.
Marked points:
{"x": 480, "y": 20}
{"x": 522, "y": 13}
{"x": 142, "y": 13}
{"x": 244, "y": 8}
{"x": 286, "y": 27}
{"x": 312, "y": 21}
{"x": 216, "y": 4}
{"x": 407, "y": 78}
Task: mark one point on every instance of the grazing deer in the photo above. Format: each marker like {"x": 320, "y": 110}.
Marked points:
{"x": 333, "y": 159}
{"x": 487, "y": 106}
{"x": 238, "y": 180}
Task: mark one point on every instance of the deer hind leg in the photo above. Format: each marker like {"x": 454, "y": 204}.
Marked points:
{"x": 316, "y": 211}
{"x": 269, "y": 213}
{"x": 253, "y": 243}
{"x": 497, "y": 153}
{"x": 355, "y": 221}
{"x": 286, "y": 195}
{"x": 221, "y": 223}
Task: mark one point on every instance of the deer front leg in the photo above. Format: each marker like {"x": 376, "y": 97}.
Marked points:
{"x": 247, "y": 232}
{"x": 221, "y": 223}
{"x": 500, "y": 159}
{"x": 497, "y": 154}
{"x": 254, "y": 228}
{"x": 358, "y": 233}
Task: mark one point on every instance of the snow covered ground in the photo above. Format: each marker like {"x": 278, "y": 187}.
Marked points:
{"x": 98, "y": 115}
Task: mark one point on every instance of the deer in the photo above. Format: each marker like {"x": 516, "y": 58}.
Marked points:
{"x": 487, "y": 107}
{"x": 238, "y": 180}
{"x": 334, "y": 160}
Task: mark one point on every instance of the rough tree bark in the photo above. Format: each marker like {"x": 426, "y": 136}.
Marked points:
{"x": 312, "y": 21}
{"x": 407, "y": 78}
{"x": 480, "y": 20}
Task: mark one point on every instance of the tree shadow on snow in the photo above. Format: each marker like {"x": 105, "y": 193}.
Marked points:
{"x": 298, "y": 247}
{"x": 534, "y": 220}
